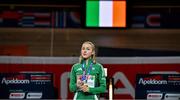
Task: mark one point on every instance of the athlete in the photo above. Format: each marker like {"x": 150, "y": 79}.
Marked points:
{"x": 87, "y": 77}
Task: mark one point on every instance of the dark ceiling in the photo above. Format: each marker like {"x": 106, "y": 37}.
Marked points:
{"x": 78, "y": 2}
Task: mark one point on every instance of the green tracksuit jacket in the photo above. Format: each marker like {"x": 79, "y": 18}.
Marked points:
{"x": 97, "y": 72}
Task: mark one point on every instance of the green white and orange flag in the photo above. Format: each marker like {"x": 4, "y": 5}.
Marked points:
{"x": 105, "y": 13}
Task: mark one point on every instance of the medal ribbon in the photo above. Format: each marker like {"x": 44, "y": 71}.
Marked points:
{"x": 84, "y": 78}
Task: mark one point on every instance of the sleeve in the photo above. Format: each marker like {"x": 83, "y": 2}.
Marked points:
{"x": 102, "y": 81}
{"x": 72, "y": 84}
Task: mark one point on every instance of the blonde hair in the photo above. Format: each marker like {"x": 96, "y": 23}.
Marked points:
{"x": 93, "y": 50}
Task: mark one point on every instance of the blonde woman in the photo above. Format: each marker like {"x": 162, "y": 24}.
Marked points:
{"x": 87, "y": 78}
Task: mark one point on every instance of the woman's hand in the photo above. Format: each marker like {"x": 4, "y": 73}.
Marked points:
{"x": 85, "y": 88}
{"x": 79, "y": 84}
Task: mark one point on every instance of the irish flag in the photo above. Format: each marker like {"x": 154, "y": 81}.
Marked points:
{"x": 105, "y": 13}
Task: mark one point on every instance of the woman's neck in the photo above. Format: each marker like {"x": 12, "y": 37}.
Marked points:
{"x": 87, "y": 61}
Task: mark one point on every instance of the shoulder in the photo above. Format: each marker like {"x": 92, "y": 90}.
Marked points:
{"x": 76, "y": 65}
{"x": 98, "y": 64}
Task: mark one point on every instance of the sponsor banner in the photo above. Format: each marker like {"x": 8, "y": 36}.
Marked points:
{"x": 158, "y": 86}
{"x": 73, "y": 19}
{"x": 149, "y": 20}
{"x": 43, "y": 19}
{"x": 155, "y": 20}
{"x": 124, "y": 76}
{"x": 20, "y": 18}
{"x": 26, "y": 85}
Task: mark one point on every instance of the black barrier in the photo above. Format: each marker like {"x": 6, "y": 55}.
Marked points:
{"x": 157, "y": 87}
{"x": 26, "y": 86}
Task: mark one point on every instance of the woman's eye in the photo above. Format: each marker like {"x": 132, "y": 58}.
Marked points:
{"x": 88, "y": 49}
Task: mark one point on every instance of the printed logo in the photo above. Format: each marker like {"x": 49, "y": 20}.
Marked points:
{"x": 40, "y": 79}
{"x": 156, "y": 80}
{"x": 172, "y": 96}
{"x": 16, "y": 95}
{"x": 154, "y": 96}
{"x": 93, "y": 68}
{"x": 14, "y": 81}
{"x": 79, "y": 69}
{"x": 33, "y": 95}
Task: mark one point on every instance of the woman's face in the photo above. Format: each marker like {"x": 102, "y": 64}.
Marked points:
{"x": 86, "y": 51}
